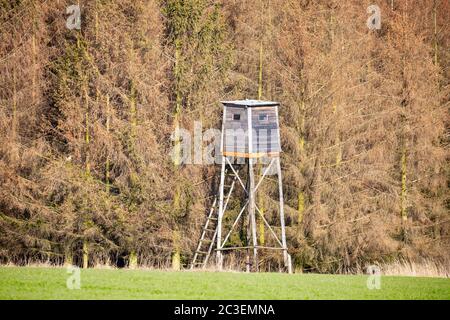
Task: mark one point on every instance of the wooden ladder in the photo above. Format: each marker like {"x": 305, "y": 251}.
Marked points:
{"x": 207, "y": 239}
{"x": 209, "y": 233}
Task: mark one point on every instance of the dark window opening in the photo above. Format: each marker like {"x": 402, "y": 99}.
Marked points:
{"x": 236, "y": 116}
{"x": 263, "y": 117}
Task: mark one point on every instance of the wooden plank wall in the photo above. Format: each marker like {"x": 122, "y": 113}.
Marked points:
{"x": 236, "y": 139}
{"x": 265, "y": 133}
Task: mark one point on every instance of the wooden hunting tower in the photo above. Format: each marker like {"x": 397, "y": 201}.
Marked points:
{"x": 250, "y": 133}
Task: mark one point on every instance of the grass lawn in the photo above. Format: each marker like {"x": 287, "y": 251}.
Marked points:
{"x": 50, "y": 283}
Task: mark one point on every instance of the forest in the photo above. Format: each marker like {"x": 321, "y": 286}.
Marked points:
{"x": 87, "y": 115}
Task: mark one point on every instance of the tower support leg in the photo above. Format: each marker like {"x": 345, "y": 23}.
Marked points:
{"x": 251, "y": 211}
{"x": 219, "y": 257}
{"x": 286, "y": 259}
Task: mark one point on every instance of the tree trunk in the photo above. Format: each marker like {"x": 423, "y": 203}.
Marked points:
{"x": 14, "y": 107}
{"x": 85, "y": 254}
{"x": 132, "y": 263}
{"x": 262, "y": 231}
{"x": 435, "y": 33}
{"x": 176, "y": 255}
{"x": 87, "y": 136}
{"x": 107, "y": 170}
{"x": 403, "y": 164}
{"x": 33, "y": 70}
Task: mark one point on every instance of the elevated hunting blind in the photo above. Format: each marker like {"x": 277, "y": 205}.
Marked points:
{"x": 250, "y": 133}
{"x": 250, "y": 129}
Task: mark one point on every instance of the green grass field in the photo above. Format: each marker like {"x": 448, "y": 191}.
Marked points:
{"x": 50, "y": 283}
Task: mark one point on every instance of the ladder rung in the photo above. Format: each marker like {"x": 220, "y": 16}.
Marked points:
{"x": 206, "y": 240}
{"x": 212, "y": 218}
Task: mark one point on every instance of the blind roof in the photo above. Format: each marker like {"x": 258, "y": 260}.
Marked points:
{"x": 250, "y": 103}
